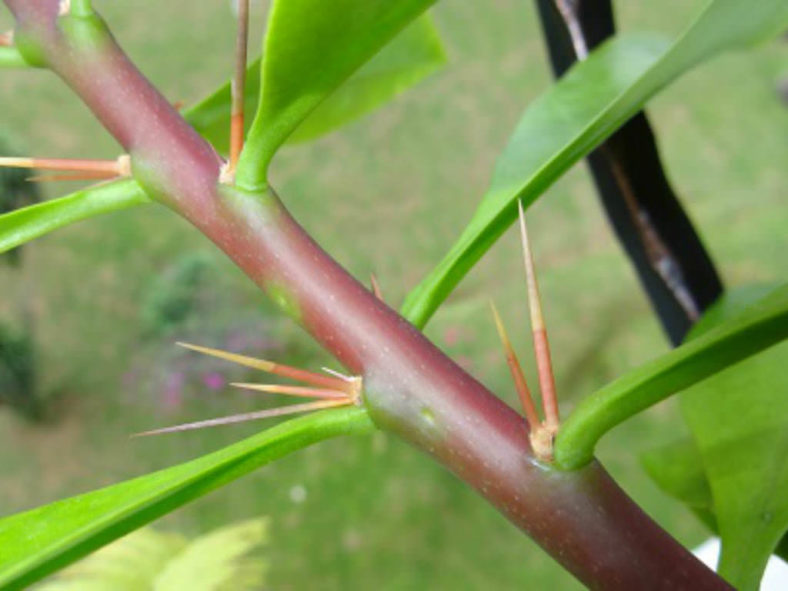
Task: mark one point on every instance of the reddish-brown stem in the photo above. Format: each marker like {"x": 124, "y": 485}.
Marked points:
{"x": 582, "y": 518}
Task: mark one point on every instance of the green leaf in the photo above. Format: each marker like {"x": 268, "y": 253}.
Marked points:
{"x": 131, "y": 563}
{"x": 677, "y": 468}
{"x": 27, "y": 223}
{"x": 211, "y": 116}
{"x": 160, "y": 561}
{"x": 739, "y": 420}
{"x": 312, "y": 47}
{"x": 219, "y": 560}
{"x": 750, "y": 332}
{"x": 10, "y": 57}
{"x": 38, "y": 542}
{"x": 587, "y": 105}
{"x": 411, "y": 56}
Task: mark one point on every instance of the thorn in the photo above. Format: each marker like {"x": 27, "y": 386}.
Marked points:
{"x": 286, "y": 371}
{"x": 238, "y": 85}
{"x": 541, "y": 346}
{"x": 119, "y": 167}
{"x": 294, "y": 391}
{"x": 7, "y": 39}
{"x": 337, "y": 374}
{"x": 77, "y": 176}
{"x": 376, "y": 287}
{"x": 516, "y": 370}
{"x": 249, "y": 416}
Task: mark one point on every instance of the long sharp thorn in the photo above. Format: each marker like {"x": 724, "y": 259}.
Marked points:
{"x": 249, "y": 416}
{"x": 119, "y": 167}
{"x": 516, "y": 370}
{"x": 76, "y": 176}
{"x": 237, "y": 86}
{"x": 337, "y": 374}
{"x": 375, "y": 286}
{"x": 541, "y": 346}
{"x": 286, "y": 371}
{"x": 293, "y": 391}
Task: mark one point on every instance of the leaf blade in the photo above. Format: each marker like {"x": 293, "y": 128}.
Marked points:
{"x": 411, "y": 56}
{"x": 739, "y": 422}
{"x": 567, "y": 122}
{"x": 25, "y": 224}
{"x": 37, "y": 542}
{"x": 760, "y": 327}
{"x": 309, "y": 51}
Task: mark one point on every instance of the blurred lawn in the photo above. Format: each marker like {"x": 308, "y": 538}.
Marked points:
{"x": 389, "y": 193}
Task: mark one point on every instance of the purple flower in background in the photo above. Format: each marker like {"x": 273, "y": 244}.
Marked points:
{"x": 213, "y": 380}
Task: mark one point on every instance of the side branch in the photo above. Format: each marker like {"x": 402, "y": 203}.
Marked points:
{"x": 582, "y": 517}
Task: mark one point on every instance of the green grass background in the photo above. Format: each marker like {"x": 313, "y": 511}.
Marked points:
{"x": 387, "y": 194}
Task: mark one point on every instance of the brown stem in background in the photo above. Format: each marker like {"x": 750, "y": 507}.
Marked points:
{"x": 581, "y": 518}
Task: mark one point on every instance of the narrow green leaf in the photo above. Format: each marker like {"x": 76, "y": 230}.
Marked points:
{"x": 760, "y": 327}
{"x": 27, "y": 223}
{"x": 739, "y": 420}
{"x": 573, "y": 117}
{"x": 310, "y": 49}
{"x": 35, "y": 543}
{"x": 677, "y": 468}
{"x": 129, "y": 564}
{"x": 412, "y": 55}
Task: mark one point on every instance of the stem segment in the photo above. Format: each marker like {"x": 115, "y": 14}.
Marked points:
{"x": 582, "y": 518}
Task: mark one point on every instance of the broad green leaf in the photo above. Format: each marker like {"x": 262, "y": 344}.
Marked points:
{"x": 758, "y": 328}
{"x": 162, "y": 561}
{"x": 131, "y": 563}
{"x": 587, "y": 105}
{"x": 36, "y": 543}
{"x": 218, "y": 560}
{"x": 311, "y": 47}
{"x": 677, "y": 468}
{"x": 27, "y": 223}
{"x": 739, "y": 420}
{"x": 411, "y": 56}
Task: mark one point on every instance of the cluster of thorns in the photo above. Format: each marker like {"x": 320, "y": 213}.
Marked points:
{"x": 329, "y": 389}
